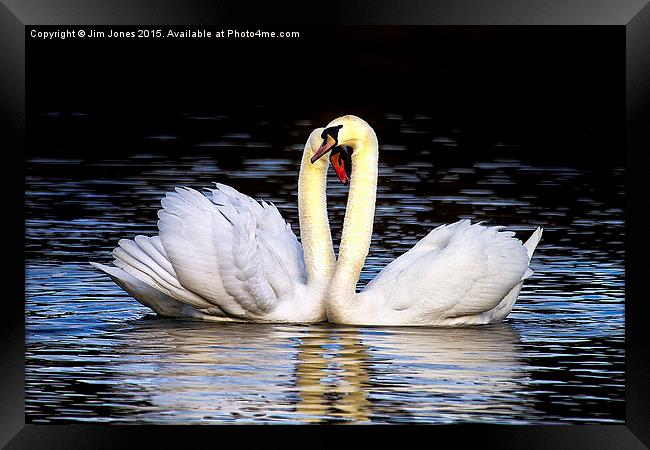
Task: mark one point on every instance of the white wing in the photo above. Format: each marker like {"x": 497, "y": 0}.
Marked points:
{"x": 236, "y": 253}
{"x": 154, "y": 298}
{"x": 224, "y": 255}
{"x": 456, "y": 270}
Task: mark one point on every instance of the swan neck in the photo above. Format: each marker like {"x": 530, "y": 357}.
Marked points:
{"x": 314, "y": 224}
{"x": 358, "y": 221}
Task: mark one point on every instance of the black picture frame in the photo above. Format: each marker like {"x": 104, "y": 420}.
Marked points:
{"x": 634, "y": 16}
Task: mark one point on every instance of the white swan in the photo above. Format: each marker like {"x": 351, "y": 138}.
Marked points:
{"x": 225, "y": 257}
{"x": 458, "y": 274}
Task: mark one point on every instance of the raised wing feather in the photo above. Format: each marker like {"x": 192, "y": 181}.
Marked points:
{"x": 144, "y": 259}
{"x": 229, "y": 249}
{"x": 460, "y": 269}
{"x": 142, "y": 268}
{"x": 275, "y": 237}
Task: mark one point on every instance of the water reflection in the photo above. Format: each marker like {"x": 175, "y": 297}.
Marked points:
{"x": 94, "y": 354}
{"x": 333, "y": 376}
{"x": 460, "y": 374}
{"x": 320, "y": 373}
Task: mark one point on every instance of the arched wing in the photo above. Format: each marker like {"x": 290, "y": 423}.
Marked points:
{"x": 222, "y": 251}
{"x": 461, "y": 269}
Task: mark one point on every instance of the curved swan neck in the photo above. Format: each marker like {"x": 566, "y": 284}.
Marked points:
{"x": 314, "y": 225}
{"x": 358, "y": 222}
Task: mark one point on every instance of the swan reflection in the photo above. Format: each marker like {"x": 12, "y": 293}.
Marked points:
{"x": 192, "y": 371}
{"x": 427, "y": 374}
{"x": 446, "y": 375}
{"x": 332, "y": 376}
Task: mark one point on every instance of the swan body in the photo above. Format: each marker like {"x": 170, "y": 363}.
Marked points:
{"x": 459, "y": 274}
{"x": 223, "y": 256}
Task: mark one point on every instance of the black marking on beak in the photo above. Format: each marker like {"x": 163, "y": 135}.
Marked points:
{"x": 330, "y": 140}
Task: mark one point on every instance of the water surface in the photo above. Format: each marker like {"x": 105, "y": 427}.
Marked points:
{"x": 96, "y": 355}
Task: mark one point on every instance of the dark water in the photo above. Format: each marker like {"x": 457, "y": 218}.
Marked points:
{"x": 95, "y": 354}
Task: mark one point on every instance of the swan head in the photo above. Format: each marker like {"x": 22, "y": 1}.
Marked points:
{"x": 342, "y": 137}
{"x": 314, "y": 140}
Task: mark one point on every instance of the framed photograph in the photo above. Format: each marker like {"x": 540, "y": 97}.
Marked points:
{"x": 418, "y": 218}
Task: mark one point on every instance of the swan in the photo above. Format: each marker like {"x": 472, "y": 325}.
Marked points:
{"x": 458, "y": 274}
{"x": 225, "y": 257}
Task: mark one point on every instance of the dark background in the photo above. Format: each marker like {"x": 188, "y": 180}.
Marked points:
{"x": 552, "y": 12}
{"x": 106, "y": 97}
{"x": 556, "y": 92}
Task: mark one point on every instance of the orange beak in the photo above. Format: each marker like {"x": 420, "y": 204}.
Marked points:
{"x": 337, "y": 163}
{"x": 328, "y": 144}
